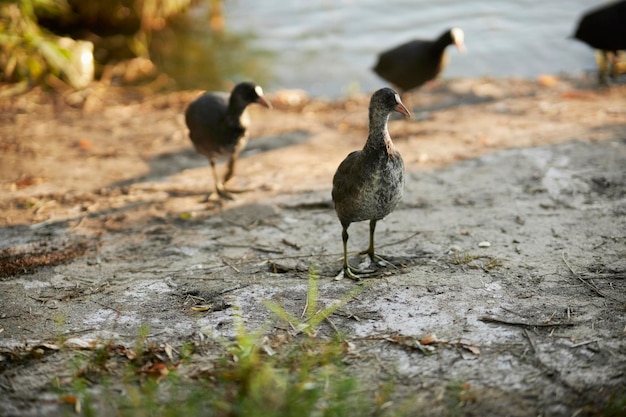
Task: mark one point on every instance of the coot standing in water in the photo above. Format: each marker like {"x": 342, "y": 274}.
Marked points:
{"x": 604, "y": 28}
{"x": 369, "y": 183}
{"x": 411, "y": 64}
{"x": 218, "y": 126}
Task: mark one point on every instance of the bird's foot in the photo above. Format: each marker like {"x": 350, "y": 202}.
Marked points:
{"x": 379, "y": 260}
{"x": 217, "y": 198}
{"x": 355, "y": 274}
{"x": 239, "y": 190}
{"x": 225, "y": 195}
{"x": 219, "y": 195}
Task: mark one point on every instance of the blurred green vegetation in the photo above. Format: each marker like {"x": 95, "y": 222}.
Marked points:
{"x": 43, "y": 41}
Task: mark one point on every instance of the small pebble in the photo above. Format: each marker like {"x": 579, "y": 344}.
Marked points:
{"x": 454, "y": 248}
{"x": 484, "y": 244}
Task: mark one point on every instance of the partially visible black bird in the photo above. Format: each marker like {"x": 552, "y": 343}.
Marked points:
{"x": 413, "y": 63}
{"x": 604, "y": 28}
{"x": 218, "y": 125}
{"x": 369, "y": 183}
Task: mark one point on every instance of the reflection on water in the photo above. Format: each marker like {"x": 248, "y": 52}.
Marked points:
{"x": 198, "y": 58}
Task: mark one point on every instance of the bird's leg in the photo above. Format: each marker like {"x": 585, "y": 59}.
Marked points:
{"x": 347, "y": 271}
{"x": 603, "y": 62}
{"x": 346, "y": 267}
{"x": 230, "y": 172}
{"x": 370, "y": 251}
{"x": 219, "y": 187}
{"x": 230, "y": 169}
{"x": 613, "y": 58}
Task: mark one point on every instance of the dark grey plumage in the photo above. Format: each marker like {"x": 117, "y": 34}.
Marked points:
{"x": 369, "y": 183}
{"x": 218, "y": 126}
{"x": 604, "y": 28}
{"x": 412, "y": 64}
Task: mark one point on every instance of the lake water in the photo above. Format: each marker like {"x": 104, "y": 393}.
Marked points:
{"x": 328, "y": 47}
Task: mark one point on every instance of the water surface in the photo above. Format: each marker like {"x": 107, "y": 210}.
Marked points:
{"x": 328, "y": 47}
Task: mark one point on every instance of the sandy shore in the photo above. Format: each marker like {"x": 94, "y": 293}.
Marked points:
{"x": 510, "y": 240}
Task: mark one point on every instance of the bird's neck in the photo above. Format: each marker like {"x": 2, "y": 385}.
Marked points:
{"x": 235, "y": 108}
{"x": 378, "y": 139}
{"x": 441, "y": 44}
{"x": 234, "y": 113}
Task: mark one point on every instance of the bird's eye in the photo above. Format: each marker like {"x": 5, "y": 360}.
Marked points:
{"x": 258, "y": 90}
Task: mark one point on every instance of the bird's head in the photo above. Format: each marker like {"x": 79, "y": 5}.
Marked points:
{"x": 249, "y": 92}
{"x": 387, "y": 100}
{"x": 458, "y": 38}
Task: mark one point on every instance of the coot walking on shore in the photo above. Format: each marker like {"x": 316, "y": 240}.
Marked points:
{"x": 368, "y": 184}
{"x": 411, "y": 64}
{"x": 604, "y": 28}
{"x": 218, "y": 126}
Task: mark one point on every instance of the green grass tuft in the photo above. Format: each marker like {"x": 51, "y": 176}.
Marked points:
{"x": 261, "y": 373}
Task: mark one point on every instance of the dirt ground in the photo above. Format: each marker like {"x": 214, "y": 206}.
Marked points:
{"x": 510, "y": 240}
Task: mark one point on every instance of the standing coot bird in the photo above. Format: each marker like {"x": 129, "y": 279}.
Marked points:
{"x": 368, "y": 184}
{"x": 218, "y": 125}
{"x": 412, "y": 64}
{"x": 604, "y": 28}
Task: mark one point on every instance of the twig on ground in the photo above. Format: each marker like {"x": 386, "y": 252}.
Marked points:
{"x": 10, "y": 317}
{"x": 304, "y": 310}
{"x": 587, "y": 283}
{"x": 267, "y": 250}
{"x": 253, "y": 247}
{"x": 40, "y": 299}
{"x": 530, "y": 341}
{"x": 291, "y": 244}
{"x": 332, "y": 325}
{"x": 119, "y": 313}
{"x": 588, "y": 342}
{"x": 235, "y": 288}
{"x": 489, "y": 319}
{"x": 397, "y": 242}
{"x": 231, "y": 265}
